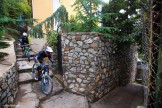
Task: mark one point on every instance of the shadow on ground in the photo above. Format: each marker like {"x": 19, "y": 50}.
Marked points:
{"x": 130, "y": 96}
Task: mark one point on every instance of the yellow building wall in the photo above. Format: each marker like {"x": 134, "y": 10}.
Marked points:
{"x": 68, "y": 5}
{"x": 42, "y": 9}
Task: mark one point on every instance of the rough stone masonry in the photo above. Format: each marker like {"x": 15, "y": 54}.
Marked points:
{"x": 89, "y": 65}
{"x": 8, "y": 87}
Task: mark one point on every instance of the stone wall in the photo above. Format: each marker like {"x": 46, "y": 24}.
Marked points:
{"x": 88, "y": 64}
{"x": 126, "y": 63}
{"x": 8, "y": 86}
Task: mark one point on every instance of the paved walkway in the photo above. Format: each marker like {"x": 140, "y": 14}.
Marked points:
{"x": 30, "y": 95}
{"x": 130, "y": 96}
{"x": 65, "y": 100}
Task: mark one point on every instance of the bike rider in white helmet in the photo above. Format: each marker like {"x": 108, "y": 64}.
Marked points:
{"x": 24, "y": 40}
{"x": 39, "y": 59}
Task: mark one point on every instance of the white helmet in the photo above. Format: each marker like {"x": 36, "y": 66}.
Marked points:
{"x": 48, "y": 49}
{"x": 24, "y": 34}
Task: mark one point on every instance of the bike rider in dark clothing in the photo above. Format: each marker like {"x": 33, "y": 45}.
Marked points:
{"x": 39, "y": 59}
{"x": 24, "y": 40}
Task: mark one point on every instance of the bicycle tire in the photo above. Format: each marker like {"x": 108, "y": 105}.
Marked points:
{"x": 28, "y": 55}
{"x": 33, "y": 71}
{"x": 47, "y": 81}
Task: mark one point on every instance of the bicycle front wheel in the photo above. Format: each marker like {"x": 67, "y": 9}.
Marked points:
{"x": 47, "y": 85}
{"x": 28, "y": 54}
{"x": 33, "y": 70}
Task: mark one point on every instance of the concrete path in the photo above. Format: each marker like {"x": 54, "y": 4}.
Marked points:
{"x": 65, "y": 100}
{"x": 26, "y": 98}
{"x": 130, "y": 96}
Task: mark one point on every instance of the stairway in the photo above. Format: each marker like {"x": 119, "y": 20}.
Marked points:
{"x": 29, "y": 94}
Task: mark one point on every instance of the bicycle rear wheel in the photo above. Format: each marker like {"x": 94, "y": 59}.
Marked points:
{"x": 28, "y": 54}
{"x": 47, "y": 85}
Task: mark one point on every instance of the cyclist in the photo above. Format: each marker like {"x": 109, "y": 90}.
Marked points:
{"x": 24, "y": 40}
{"x": 39, "y": 59}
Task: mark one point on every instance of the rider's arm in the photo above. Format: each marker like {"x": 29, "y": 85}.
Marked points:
{"x": 51, "y": 59}
{"x": 40, "y": 55}
{"x": 27, "y": 41}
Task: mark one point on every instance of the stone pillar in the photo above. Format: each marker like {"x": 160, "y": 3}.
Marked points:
{"x": 127, "y": 63}
{"x": 88, "y": 64}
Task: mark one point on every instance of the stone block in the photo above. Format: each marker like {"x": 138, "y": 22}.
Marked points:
{"x": 81, "y": 89}
{"x": 79, "y": 80}
{"x": 4, "y": 86}
{"x": 10, "y": 100}
{"x": 78, "y": 38}
{"x": 4, "y": 101}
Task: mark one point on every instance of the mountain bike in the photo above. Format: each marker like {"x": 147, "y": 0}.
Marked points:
{"x": 46, "y": 81}
{"x": 27, "y": 51}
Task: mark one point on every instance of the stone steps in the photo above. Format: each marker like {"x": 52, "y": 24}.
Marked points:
{"x": 30, "y": 94}
{"x": 24, "y": 66}
{"x": 25, "y": 78}
{"x": 26, "y": 98}
{"x": 24, "y": 59}
{"x": 25, "y": 70}
{"x": 57, "y": 88}
{"x": 20, "y": 56}
{"x": 20, "y": 50}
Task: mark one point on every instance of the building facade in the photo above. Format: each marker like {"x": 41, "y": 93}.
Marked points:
{"x": 41, "y": 9}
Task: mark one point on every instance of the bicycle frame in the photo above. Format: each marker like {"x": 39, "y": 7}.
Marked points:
{"x": 43, "y": 72}
{"x": 26, "y": 50}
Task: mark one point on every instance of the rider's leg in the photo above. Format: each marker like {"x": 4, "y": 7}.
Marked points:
{"x": 42, "y": 63}
{"x": 22, "y": 47}
{"x": 24, "y": 51}
{"x": 37, "y": 67}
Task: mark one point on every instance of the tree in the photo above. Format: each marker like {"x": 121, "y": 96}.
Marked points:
{"x": 61, "y": 17}
{"x": 10, "y": 11}
{"x": 126, "y": 19}
{"x": 87, "y": 16}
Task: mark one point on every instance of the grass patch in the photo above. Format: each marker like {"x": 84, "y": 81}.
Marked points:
{"x": 2, "y": 54}
{"x": 3, "y": 45}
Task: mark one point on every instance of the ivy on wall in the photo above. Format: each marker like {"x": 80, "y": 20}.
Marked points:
{"x": 38, "y": 30}
{"x": 47, "y": 26}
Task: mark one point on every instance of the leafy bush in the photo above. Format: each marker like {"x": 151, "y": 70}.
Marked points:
{"x": 3, "y": 45}
{"x": 2, "y": 54}
{"x": 126, "y": 20}
{"x": 52, "y": 39}
{"x": 9, "y": 12}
